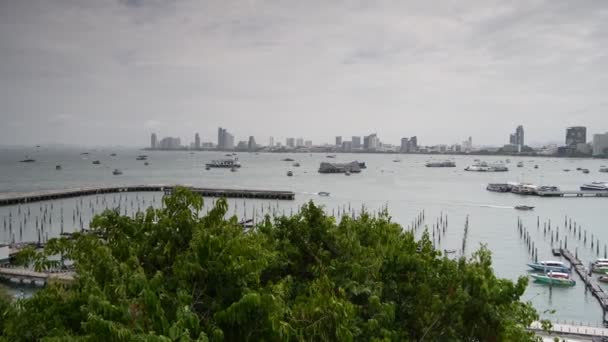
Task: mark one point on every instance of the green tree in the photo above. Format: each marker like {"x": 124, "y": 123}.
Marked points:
{"x": 171, "y": 275}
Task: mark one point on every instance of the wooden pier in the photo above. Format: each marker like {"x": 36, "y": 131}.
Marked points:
{"x": 20, "y": 198}
{"x": 585, "y": 275}
{"x": 33, "y": 277}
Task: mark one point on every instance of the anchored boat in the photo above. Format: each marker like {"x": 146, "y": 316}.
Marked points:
{"x": 554, "y": 278}
{"x": 545, "y": 266}
{"x": 595, "y": 186}
{"x": 224, "y": 163}
{"x": 524, "y": 207}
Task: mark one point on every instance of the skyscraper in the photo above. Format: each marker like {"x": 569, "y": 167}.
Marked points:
{"x": 413, "y": 144}
{"x": 600, "y": 145}
{"x": 220, "y": 138}
{"x": 404, "y": 145}
{"x": 153, "y": 141}
{"x": 251, "y": 145}
{"x": 290, "y": 142}
{"x": 228, "y": 140}
{"x": 300, "y": 142}
{"x": 197, "y": 141}
{"x": 519, "y": 134}
{"x": 271, "y": 142}
{"x": 356, "y": 142}
{"x": 576, "y": 135}
{"x": 338, "y": 141}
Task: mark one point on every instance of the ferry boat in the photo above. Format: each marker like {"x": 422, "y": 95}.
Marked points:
{"x": 224, "y": 163}
{"x": 545, "y": 266}
{"x": 441, "y": 164}
{"x": 498, "y": 187}
{"x": 116, "y": 172}
{"x": 595, "y": 186}
{"x": 554, "y": 278}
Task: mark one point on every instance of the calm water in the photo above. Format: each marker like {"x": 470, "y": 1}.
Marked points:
{"x": 406, "y": 187}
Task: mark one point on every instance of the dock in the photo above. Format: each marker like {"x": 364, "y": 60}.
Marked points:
{"x": 585, "y": 275}
{"x": 33, "y": 277}
{"x": 37, "y": 196}
{"x": 573, "y": 193}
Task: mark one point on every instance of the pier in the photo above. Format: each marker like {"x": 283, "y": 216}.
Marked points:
{"x": 32, "y": 277}
{"x": 585, "y": 275}
{"x": 572, "y": 193}
{"x": 20, "y": 198}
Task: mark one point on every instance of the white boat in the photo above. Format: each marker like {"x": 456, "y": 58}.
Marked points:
{"x": 485, "y": 167}
{"x": 224, "y": 163}
{"x": 323, "y": 193}
{"x": 595, "y": 186}
{"x": 545, "y": 266}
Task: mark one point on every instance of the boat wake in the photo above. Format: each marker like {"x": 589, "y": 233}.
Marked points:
{"x": 495, "y": 206}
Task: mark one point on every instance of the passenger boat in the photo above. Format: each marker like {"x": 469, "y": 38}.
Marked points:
{"x": 484, "y": 167}
{"x": 289, "y": 173}
{"x": 524, "y": 207}
{"x": 498, "y": 187}
{"x": 116, "y": 172}
{"x": 545, "y": 266}
{"x": 323, "y": 193}
{"x": 595, "y": 186}
{"x": 224, "y": 163}
{"x": 554, "y": 278}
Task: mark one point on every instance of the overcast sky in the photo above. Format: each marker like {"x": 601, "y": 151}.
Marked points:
{"x": 97, "y": 72}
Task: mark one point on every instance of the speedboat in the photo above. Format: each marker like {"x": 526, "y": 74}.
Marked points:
{"x": 116, "y": 172}
{"x": 545, "y": 266}
{"x": 554, "y": 278}
{"x": 600, "y": 266}
{"x": 595, "y": 186}
{"x": 523, "y": 207}
{"x": 536, "y": 166}
{"x": 331, "y": 156}
{"x": 27, "y": 160}
{"x": 289, "y": 173}
{"x": 287, "y": 159}
{"x": 603, "y": 279}
{"x": 323, "y": 193}
{"x": 396, "y": 160}
{"x": 566, "y": 170}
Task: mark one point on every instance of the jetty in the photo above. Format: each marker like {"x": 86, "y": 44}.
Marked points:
{"x": 37, "y": 196}
{"x": 586, "y": 193}
{"x": 527, "y": 189}
{"x": 585, "y": 275}
{"x": 33, "y": 277}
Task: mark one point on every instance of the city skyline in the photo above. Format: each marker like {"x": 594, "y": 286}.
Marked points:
{"x": 307, "y": 69}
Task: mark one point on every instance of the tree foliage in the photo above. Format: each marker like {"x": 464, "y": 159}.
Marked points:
{"x": 173, "y": 274}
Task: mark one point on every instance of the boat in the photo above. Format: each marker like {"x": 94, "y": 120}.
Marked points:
{"x": 289, "y": 173}
{"x": 331, "y": 156}
{"x": 113, "y": 155}
{"x": 520, "y": 164}
{"x": 554, "y": 278}
{"x": 523, "y": 207}
{"x": 362, "y": 165}
{"x": 566, "y": 170}
{"x": 116, "y": 172}
{"x": 224, "y": 163}
{"x": 599, "y": 267}
{"x": 207, "y": 168}
{"x": 84, "y": 153}
{"x": 441, "y": 164}
{"x": 396, "y": 160}
{"x": 347, "y": 173}
{"x": 27, "y": 160}
{"x": 146, "y": 163}
{"x": 296, "y": 164}
{"x": 603, "y": 279}
{"x": 485, "y": 167}
{"x": 579, "y": 168}
{"x": 545, "y": 266}
{"x": 323, "y": 193}
{"x": 233, "y": 169}
{"x": 57, "y": 167}
{"x": 595, "y": 186}
{"x": 96, "y": 162}
{"x": 142, "y": 157}
{"x": 603, "y": 169}
{"x": 352, "y": 167}
{"x": 496, "y": 187}
{"x": 536, "y": 166}
{"x": 287, "y": 159}
{"x": 585, "y": 170}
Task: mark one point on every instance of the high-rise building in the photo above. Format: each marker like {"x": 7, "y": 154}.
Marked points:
{"x": 290, "y": 142}
{"x": 220, "y": 138}
{"x": 338, "y": 141}
{"x": 251, "y": 145}
{"x": 576, "y": 135}
{"x": 153, "y": 141}
{"x": 356, "y": 142}
{"x": 412, "y": 145}
{"x": 300, "y": 142}
{"x": 519, "y": 133}
{"x": 371, "y": 142}
{"x": 169, "y": 143}
{"x": 347, "y": 146}
{"x": 404, "y": 145}
{"x": 271, "y": 142}
{"x": 600, "y": 145}
{"x": 197, "y": 141}
{"x": 308, "y": 143}
{"x": 228, "y": 141}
